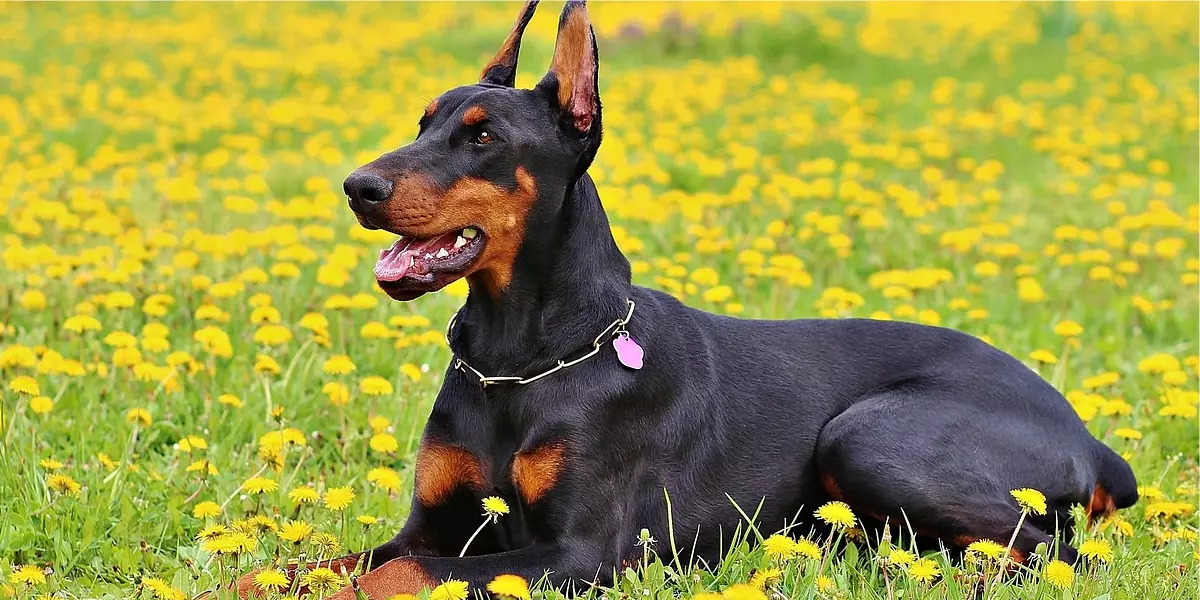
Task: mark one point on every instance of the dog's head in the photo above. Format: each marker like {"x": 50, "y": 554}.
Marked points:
{"x": 488, "y": 161}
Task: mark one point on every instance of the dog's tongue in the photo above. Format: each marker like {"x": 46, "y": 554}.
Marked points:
{"x": 406, "y": 256}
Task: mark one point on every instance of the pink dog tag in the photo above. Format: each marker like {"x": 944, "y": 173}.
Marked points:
{"x": 628, "y": 351}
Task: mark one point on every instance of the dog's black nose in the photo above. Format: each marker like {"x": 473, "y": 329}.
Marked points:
{"x": 365, "y": 190}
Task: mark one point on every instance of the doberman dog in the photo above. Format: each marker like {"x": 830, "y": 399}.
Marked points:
{"x": 586, "y": 402}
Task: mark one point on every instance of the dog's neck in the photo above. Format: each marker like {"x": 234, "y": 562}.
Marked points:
{"x": 570, "y": 281}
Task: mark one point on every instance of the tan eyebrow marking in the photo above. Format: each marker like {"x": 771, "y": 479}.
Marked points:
{"x": 474, "y": 115}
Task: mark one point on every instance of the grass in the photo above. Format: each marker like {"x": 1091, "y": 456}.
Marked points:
{"x": 173, "y": 171}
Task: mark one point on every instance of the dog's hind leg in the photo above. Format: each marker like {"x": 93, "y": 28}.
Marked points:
{"x": 933, "y": 466}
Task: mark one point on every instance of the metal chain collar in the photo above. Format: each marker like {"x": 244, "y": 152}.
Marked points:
{"x": 616, "y": 328}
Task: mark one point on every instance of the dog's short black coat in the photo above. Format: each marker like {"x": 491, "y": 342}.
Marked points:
{"x": 919, "y": 426}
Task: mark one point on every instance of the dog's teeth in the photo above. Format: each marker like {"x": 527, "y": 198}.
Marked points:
{"x": 470, "y": 233}
{"x": 442, "y": 253}
{"x": 428, "y": 255}
{"x": 459, "y": 242}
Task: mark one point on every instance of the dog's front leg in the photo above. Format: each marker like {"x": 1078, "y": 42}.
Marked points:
{"x": 577, "y": 563}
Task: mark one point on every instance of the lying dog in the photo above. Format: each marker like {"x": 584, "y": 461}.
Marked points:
{"x": 583, "y": 400}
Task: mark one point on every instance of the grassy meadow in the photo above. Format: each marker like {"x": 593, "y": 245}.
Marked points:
{"x": 199, "y": 376}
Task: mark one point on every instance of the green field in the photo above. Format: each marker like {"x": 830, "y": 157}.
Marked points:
{"x": 191, "y": 337}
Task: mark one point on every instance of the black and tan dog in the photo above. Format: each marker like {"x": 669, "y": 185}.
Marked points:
{"x": 913, "y": 425}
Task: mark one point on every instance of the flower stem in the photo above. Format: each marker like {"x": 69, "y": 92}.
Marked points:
{"x": 472, "y": 538}
{"x": 1008, "y": 549}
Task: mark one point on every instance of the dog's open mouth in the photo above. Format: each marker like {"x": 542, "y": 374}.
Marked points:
{"x": 415, "y": 266}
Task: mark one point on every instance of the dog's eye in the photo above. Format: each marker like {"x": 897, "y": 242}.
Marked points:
{"x": 483, "y": 138}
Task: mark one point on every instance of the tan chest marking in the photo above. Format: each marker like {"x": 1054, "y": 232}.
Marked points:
{"x": 536, "y": 471}
{"x": 441, "y": 469}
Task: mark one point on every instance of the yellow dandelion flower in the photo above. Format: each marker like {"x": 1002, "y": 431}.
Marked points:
{"x": 63, "y": 484}
{"x": 924, "y": 570}
{"x": 338, "y": 393}
{"x": 899, "y": 557}
{"x": 384, "y": 478}
{"x": 221, "y": 544}
{"x": 24, "y": 384}
{"x": 494, "y": 507}
{"x": 81, "y": 323}
{"x": 1119, "y": 526}
{"x": 205, "y": 509}
{"x": 191, "y": 442}
{"x": 295, "y": 531}
{"x": 289, "y": 436}
{"x": 338, "y": 365}
{"x": 779, "y": 547}
{"x": 1029, "y": 290}
{"x": 805, "y": 548}
{"x": 1127, "y": 433}
{"x": 138, "y": 416}
{"x": 27, "y": 575}
{"x": 17, "y": 356}
{"x": 452, "y": 589}
{"x": 985, "y": 549}
{"x": 41, "y": 405}
{"x": 303, "y": 495}
{"x": 1167, "y": 510}
{"x": 260, "y": 485}
{"x": 1102, "y": 380}
{"x": 33, "y": 300}
{"x": 1059, "y": 574}
{"x": 825, "y": 583}
{"x": 271, "y": 580}
{"x": 244, "y": 541}
{"x": 230, "y": 400}
{"x": 338, "y": 498}
{"x": 375, "y": 386}
{"x": 1157, "y": 364}
{"x": 366, "y": 520}
{"x": 204, "y": 466}
{"x": 106, "y": 461}
{"x": 265, "y": 314}
{"x": 162, "y": 590}
{"x": 379, "y": 424}
{"x": 261, "y": 524}
{"x": 1096, "y": 550}
{"x": 50, "y": 464}
{"x": 765, "y": 577}
{"x": 1043, "y": 356}
{"x": 1175, "y": 378}
{"x": 384, "y": 443}
{"x": 509, "y": 586}
{"x": 1150, "y": 492}
{"x": 322, "y": 580}
{"x": 212, "y": 532}
{"x": 314, "y": 322}
{"x": 836, "y": 514}
{"x": 326, "y": 544}
{"x": 1068, "y": 328}
{"x": 1030, "y": 500}
{"x": 266, "y": 364}
{"x": 411, "y": 371}
{"x": 742, "y": 591}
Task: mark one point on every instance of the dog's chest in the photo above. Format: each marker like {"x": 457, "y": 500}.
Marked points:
{"x": 528, "y": 474}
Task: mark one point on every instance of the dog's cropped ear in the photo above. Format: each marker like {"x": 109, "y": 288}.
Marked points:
{"x": 502, "y": 70}
{"x": 574, "y": 70}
